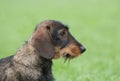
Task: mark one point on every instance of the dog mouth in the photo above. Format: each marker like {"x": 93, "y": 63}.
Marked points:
{"x": 67, "y": 56}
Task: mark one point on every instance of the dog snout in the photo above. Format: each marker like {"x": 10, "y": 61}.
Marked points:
{"x": 83, "y": 49}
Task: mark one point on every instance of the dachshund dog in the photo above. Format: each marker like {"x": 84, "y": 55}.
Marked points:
{"x": 33, "y": 61}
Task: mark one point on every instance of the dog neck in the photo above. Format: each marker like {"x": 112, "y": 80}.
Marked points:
{"x": 29, "y": 56}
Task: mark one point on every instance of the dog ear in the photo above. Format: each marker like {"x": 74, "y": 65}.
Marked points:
{"x": 43, "y": 42}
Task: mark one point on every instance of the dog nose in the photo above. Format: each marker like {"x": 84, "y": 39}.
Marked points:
{"x": 82, "y": 49}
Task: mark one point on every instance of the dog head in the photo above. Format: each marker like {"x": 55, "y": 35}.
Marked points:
{"x": 52, "y": 39}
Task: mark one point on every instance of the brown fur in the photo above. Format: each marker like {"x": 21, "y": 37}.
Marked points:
{"x": 33, "y": 61}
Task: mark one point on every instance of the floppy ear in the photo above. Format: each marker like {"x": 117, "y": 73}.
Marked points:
{"x": 43, "y": 42}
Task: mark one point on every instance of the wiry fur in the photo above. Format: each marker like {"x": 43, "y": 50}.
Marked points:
{"x": 26, "y": 66}
{"x": 33, "y": 61}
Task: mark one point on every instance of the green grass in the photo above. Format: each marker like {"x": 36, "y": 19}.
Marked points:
{"x": 95, "y": 23}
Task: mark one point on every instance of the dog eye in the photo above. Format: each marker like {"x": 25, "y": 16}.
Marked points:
{"x": 62, "y": 33}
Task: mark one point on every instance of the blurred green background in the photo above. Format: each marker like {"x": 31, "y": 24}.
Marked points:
{"x": 95, "y": 23}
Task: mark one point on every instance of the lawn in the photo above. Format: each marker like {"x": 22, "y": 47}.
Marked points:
{"x": 94, "y": 23}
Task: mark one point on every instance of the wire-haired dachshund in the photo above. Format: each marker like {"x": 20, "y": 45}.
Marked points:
{"x": 33, "y": 61}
